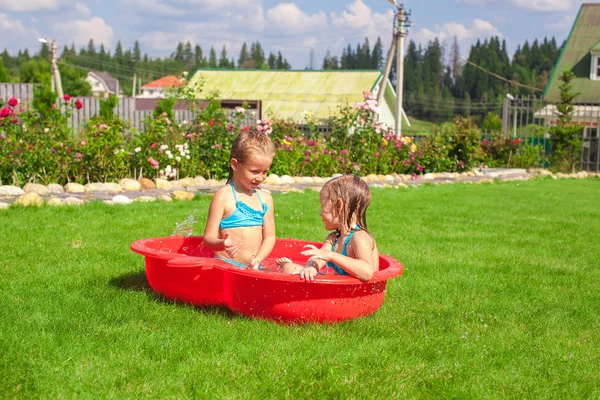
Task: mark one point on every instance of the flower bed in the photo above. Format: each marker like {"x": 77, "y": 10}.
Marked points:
{"x": 37, "y": 145}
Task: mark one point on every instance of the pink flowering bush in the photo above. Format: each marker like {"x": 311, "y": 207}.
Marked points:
{"x": 104, "y": 151}
{"x": 36, "y": 145}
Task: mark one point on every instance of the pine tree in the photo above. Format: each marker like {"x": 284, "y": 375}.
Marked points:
{"x": 188, "y": 55}
{"x": 44, "y": 52}
{"x": 272, "y": 61}
{"x": 456, "y": 62}
{"x": 178, "y": 54}
{"x": 377, "y": 55}
{"x": 257, "y": 54}
{"x": 198, "y": 57}
{"x": 224, "y": 61}
{"x": 137, "y": 53}
{"x": 244, "y": 56}
{"x": 91, "y": 49}
{"x": 212, "y": 60}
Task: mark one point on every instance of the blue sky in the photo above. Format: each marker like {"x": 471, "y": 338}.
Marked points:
{"x": 293, "y": 27}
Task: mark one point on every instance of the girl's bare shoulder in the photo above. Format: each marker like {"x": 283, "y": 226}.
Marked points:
{"x": 223, "y": 193}
{"x": 363, "y": 237}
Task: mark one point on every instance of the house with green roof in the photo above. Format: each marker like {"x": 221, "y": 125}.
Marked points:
{"x": 581, "y": 55}
{"x": 292, "y": 94}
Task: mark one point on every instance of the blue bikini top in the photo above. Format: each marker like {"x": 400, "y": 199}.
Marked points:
{"x": 244, "y": 215}
{"x": 336, "y": 268}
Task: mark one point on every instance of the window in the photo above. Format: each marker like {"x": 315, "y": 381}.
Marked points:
{"x": 595, "y": 71}
{"x": 590, "y": 132}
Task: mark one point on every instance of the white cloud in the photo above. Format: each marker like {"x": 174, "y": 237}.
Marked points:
{"x": 562, "y": 25}
{"x": 532, "y": 5}
{"x": 9, "y": 28}
{"x": 81, "y": 31}
{"x": 29, "y": 5}
{"x": 288, "y": 16}
{"x": 83, "y": 9}
{"x": 154, "y": 7}
{"x": 544, "y": 5}
{"x": 479, "y": 29}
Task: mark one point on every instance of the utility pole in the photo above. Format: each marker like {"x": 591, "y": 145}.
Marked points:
{"x": 55, "y": 72}
{"x": 401, "y": 22}
{"x": 133, "y": 91}
{"x": 401, "y": 15}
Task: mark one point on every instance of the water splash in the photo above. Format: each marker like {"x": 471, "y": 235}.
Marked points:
{"x": 185, "y": 228}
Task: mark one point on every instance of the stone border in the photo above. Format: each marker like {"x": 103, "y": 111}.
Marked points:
{"x": 128, "y": 190}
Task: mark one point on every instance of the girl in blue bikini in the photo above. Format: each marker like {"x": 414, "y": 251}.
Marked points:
{"x": 350, "y": 249}
{"x": 240, "y": 227}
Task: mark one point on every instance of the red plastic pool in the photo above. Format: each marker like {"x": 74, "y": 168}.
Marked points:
{"x": 181, "y": 269}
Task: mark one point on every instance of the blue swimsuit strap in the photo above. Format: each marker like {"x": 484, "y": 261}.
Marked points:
{"x": 244, "y": 205}
{"x": 335, "y": 267}
{"x": 344, "y": 250}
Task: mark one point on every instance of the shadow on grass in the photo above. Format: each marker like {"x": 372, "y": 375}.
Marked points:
{"x": 137, "y": 282}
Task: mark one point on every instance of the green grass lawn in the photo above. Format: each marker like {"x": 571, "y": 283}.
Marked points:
{"x": 500, "y": 298}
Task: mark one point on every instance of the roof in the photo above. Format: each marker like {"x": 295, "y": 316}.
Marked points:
{"x": 165, "y": 82}
{"x": 576, "y": 56}
{"x": 290, "y": 93}
{"x": 595, "y": 47}
{"x": 110, "y": 82}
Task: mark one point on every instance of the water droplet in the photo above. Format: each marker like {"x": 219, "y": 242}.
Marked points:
{"x": 185, "y": 228}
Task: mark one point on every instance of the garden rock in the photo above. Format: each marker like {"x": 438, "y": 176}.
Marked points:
{"x": 187, "y": 182}
{"x": 164, "y": 197}
{"x": 200, "y": 181}
{"x": 181, "y": 195}
{"x": 55, "y": 188}
{"x": 73, "y": 201}
{"x": 370, "y": 178}
{"x": 121, "y": 199}
{"x": 287, "y": 180}
{"x": 213, "y": 182}
{"x": 30, "y": 199}
{"x": 163, "y": 184}
{"x": 113, "y": 187}
{"x": 73, "y": 187}
{"x": 4, "y": 206}
{"x": 9, "y": 190}
{"x": 55, "y": 202}
{"x": 145, "y": 199}
{"x": 130, "y": 185}
{"x": 146, "y": 183}
{"x": 272, "y": 179}
{"x": 35, "y": 188}
{"x": 428, "y": 177}
{"x": 95, "y": 187}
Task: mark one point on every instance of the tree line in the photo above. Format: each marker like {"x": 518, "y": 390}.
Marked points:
{"x": 439, "y": 83}
{"x": 122, "y": 64}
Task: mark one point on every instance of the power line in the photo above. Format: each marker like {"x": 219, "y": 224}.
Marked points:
{"x": 498, "y": 76}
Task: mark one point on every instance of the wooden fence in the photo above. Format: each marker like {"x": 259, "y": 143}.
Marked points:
{"x": 126, "y": 109}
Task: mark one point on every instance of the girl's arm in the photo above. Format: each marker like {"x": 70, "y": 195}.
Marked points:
{"x": 211, "y": 240}
{"x": 314, "y": 265}
{"x": 268, "y": 241}
{"x": 362, "y": 267}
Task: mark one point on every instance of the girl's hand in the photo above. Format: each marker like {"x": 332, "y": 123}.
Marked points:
{"x": 254, "y": 263}
{"x": 307, "y": 273}
{"x": 229, "y": 247}
{"x": 315, "y": 252}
